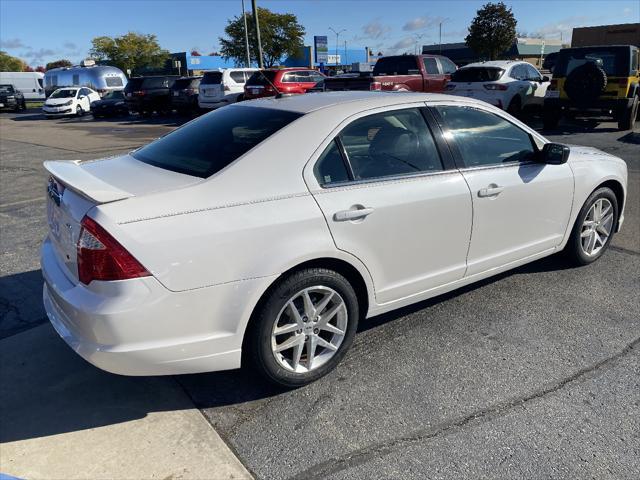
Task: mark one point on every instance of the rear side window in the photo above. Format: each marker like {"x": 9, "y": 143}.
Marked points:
{"x": 430, "y": 65}
{"x": 210, "y": 143}
{"x": 484, "y": 138}
{"x": 113, "y": 81}
{"x": 477, "y": 74}
{"x": 390, "y": 143}
{"x": 211, "y": 78}
{"x": 330, "y": 167}
{"x": 237, "y": 77}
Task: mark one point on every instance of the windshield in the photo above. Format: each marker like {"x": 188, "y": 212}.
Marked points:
{"x": 210, "y": 143}
{"x": 186, "y": 83}
{"x": 114, "y": 95}
{"x": 614, "y": 61}
{"x": 402, "y": 65}
{"x": 63, "y": 94}
{"x": 477, "y": 74}
{"x": 6, "y": 88}
{"x": 258, "y": 78}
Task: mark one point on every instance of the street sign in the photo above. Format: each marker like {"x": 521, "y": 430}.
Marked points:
{"x": 320, "y": 48}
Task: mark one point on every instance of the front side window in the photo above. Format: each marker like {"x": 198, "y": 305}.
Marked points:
{"x": 533, "y": 74}
{"x": 448, "y": 66}
{"x": 390, "y": 143}
{"x": 484, "y": 138}
{"x": 208, "y": 144}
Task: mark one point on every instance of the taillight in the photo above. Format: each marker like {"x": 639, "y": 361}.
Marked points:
{"x": 269, "y": 88}
{"x": 375, "y": 86}
{"x": 495, "y": 86}
{"x": 553, "y": 85}
{"x": 139, "y": 93}
{"x": 101, "y": 257}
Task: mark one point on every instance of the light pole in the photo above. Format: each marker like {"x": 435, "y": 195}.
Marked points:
{"x": 337, "y": 37}
{"x": 255, "y": 18}
{"x": 417, "y": 36}
{"x": 441, "y": 22}
{"x": 246, "y": 35}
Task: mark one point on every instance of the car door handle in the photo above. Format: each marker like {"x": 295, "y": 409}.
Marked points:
{"x": 352, "y": 214}
{"x": 490, "y": 191}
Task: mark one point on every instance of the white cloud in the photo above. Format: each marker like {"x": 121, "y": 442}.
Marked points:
{"x": 419, "y": 23}
{"x": 12, "y": 43}
{"x": 375, "y": 29}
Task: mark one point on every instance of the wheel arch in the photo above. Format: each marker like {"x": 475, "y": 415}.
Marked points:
{"x": 343, "y": 267}
{"x": 618, "y": 190}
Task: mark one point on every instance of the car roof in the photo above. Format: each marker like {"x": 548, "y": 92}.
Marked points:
{"x": 350, "y": 100}
{"x": 495, "y": 63}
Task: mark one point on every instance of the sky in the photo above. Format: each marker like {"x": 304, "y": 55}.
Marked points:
{"x": 45, "y": 30}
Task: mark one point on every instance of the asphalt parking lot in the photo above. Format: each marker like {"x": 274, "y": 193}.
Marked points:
{"x": 532, "y": 374}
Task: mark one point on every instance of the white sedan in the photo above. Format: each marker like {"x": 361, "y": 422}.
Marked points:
{"x": 70, "y": 101}
{"x": 510, "y": 85}
{"x": 260, "y": 234}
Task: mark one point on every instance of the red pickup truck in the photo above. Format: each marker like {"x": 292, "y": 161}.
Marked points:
{"x": 415, "y": 73}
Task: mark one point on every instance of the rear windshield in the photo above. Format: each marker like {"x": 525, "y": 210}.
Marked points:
{"x": 114, "y": 95}
{"x": 258, "y": 78}
{"x": 113, "y": 81}
{"x": 186, "y": 83}
{"x": 212, "y": 77}
{"x": 614, "y": 61}
{"x": 134, "y": 84}
{"x": 210, "y": 143}
{"x": 157, "y": 82}
{"x": 402, "y": 65}
{"x": 477, "y": 74}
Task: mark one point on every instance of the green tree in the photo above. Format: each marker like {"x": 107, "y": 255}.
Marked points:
{"x": 492, "y": 31}
{"x": 280, "y": 33}
{"x": 10, "y": 64}
{"x": 59, "y": 63}
{"x": 132, "y": 51}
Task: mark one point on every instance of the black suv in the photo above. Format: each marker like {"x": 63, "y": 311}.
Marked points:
{"x": 595, "y": 81}
{"x": 146, "y": 95}
{"x": 184, "y": 94}
{"x": 11, "y": 98}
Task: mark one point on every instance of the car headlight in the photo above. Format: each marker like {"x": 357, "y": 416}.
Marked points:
{"x": 11, "y": 97}
{"x": 66, "y": 104}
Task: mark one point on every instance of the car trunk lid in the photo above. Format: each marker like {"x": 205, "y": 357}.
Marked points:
{"x": 75, "y": 187}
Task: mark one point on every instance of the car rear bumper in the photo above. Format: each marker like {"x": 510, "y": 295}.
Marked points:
{"x": 138, "y": 327}
{"x": 213, "y": 103}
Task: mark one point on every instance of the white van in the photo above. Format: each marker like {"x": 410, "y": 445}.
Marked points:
{"x": 223, "y": 87}
{"x": 31, "y": 84}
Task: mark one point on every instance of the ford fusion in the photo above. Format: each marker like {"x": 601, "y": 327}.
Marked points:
{"x": 260, "y": 234}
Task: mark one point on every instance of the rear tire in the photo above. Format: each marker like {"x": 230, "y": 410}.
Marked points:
{"x": 314, "y": 293}
{"x": 590, "y": 221}
{"x": 629, "y": 115}
{"x": 550, "y": 118}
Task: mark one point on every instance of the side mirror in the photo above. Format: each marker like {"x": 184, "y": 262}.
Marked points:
{"x": 546, "y": 78}
{"x": 554, "y": 154}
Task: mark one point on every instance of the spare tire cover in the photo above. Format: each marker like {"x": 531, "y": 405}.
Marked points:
{"x": 586, "y": 82}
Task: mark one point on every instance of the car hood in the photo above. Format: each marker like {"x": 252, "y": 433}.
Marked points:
{"x": 581, "y": 153}
{"x": 109, "y": 101}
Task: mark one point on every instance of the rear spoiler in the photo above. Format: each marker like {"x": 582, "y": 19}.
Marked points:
{"x": 74, "y": 176}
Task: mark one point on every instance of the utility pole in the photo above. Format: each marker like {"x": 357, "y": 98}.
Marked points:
{"x": 441, "y": 22}
{"x": 418, "y": 37}
{"x": 337, "y": 37}
{"x": 345, "y": 52}
{"x": 246, "y": 35}
{"x": 257, "y": 22}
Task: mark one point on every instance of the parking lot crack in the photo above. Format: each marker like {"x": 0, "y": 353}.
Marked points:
{"x": 381, "y": 449}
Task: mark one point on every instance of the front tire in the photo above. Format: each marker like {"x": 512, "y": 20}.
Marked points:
{"x": 79, "y": 111}
{"x": 594, "y": 227}
{"x": 303, "y": 328}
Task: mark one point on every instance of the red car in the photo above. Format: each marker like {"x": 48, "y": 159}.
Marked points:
{"x": 269, "y": 82}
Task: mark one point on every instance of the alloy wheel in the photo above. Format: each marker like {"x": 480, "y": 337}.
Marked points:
{"x": 309, "y": 329}
{"x": 597, "y": 226}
